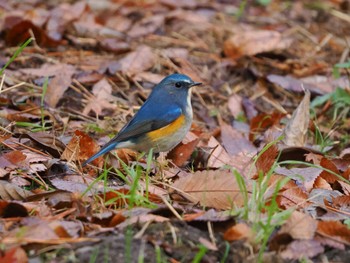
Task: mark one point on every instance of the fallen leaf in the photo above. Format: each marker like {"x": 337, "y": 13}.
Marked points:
{"x": 327, "y": 176}
{"x": 149, "y": 77}
{"x": 216, "y": 189}
{"x": 10, "y": 191}
{"x": 291, "y": 198}
{"x": 147, "y": 25}
{"x": 135, "y": 62}
{"x": 141, "y": 219}
{"x": 235, "y": 105}
{"x": 47, "y": 141}
{"x": 80, "y": 148}
{"x": 114, "y": 45}
{"x": 267, "y": 158}
{"x": 318, "y": 208}
{"x": 300, "y": 226}
{"x": 12, "y": 159}
{"x": 345, "y": 187}
{"x": 18, "y": 33}
{"x": 262, "y": 122}
{"x": 218, "y": 156}
{"x": 254, "y": 42}
{"x": 61, "y": 74}
{"x": 302, "y": 176}
{"x": 302, "y": 249}
{"x": 62, "y": 15}
{"x": 103, "y": 95}
{"x": 318, "y": 85}
{"x": 14, "y": 255}
{"x": 235, "y": 142}
{"x": 182, "y": 152}
{"x": 334, "y": 230}
{"x": 295, "y": 132}
{"x": 321, "y": 183}
{"x": 342, "y": 203}
{"x": 238, "y": 232}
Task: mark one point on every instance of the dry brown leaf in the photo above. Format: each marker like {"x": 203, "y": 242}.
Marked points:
{"x": 147, "y": 26}
{"x": 218, "y": 155}
{"x": 254, "y": 42}
{"x": 320, "y": 207}
{"x": 303, "y": 176}
{"x": 296, "y": 129}
{"x": 329, "y": 242}
{"x": 149, "y": 77}
{"x": 235, "y": 105}
{"x": 63, "y": 14}
{"x": 342, "y": 202}
{"x": 322, "y": 184}
{"x": 36, "y": 230}
{"x": 135, "y": 62}
{"x": 12, "y": 159}
{"x": 267, "y": 159}
{"x": 216, "y": 189}
{"x": 141, "y": 219}
{"x": 174, "y": 52}
{"x": 300, "y": 226}
{"x": 182, "y": 152}
{"x": 262, "y": 122}
{"x": 14, "y": 255}
{"x": 235, "y": 142}
{"x": 103, "y": 95}
{"x": 80, "y": 148}
{"x": 315, "y": 84}
{"x": 345, "y": 187}
{"x": 293, "y": 197}
{"x": 48, "y": 141}
{"x": 116, "y": 220}
{"x": 238, "y": 232}
{"x": 329, "y": 165}
{"x": 334, "y": 230}
{"x": 58, "y": 84}
{"x": 9, "y": 191}
{"x": 313, "y": 158}
{"x": 302, "y": 249}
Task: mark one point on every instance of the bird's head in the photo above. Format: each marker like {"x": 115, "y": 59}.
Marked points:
{"x": 177, "y": 87}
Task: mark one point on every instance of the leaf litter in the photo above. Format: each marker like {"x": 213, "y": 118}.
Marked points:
{"x": 253, "y": 131}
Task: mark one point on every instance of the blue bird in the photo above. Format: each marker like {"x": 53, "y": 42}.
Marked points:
{"x": 162, "y": 121}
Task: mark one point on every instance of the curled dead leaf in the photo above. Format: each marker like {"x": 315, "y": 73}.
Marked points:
{"x": 296, "y": 129}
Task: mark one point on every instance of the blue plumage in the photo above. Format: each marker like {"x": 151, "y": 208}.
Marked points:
{"x": 169, "y": 100}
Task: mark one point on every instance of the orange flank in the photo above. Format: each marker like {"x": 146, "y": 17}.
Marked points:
{"x": 168, "y": 130}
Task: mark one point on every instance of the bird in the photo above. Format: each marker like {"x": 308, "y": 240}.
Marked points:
{"x": 162, "y": 121}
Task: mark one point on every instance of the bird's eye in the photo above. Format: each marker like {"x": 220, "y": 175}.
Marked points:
{"x": 178, "y": 84}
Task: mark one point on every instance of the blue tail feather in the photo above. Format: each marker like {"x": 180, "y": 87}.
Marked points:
{"x": 108, "y": 147}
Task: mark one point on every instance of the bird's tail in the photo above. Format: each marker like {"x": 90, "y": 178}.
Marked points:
{"x": 105, "y": 149}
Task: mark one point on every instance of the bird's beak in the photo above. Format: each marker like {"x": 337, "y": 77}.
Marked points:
{"x": 195, "y": 84}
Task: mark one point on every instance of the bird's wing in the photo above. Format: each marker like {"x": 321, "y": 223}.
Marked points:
{"x": 149, "y": 118}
